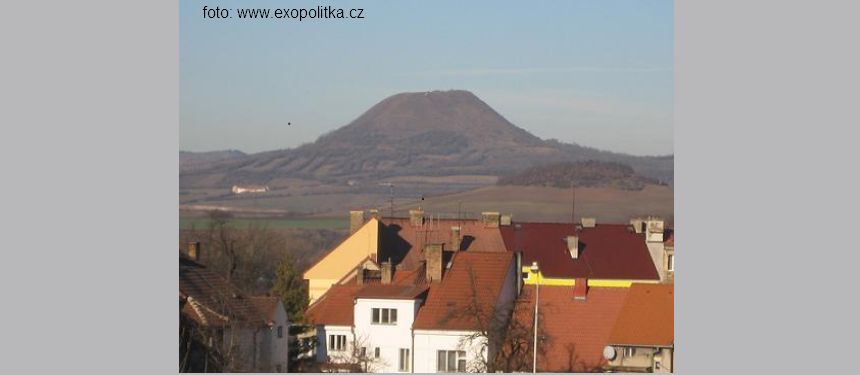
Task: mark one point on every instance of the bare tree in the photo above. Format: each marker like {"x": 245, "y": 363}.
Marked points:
{"x": 359, "y": 357}
{"x": 502, "y": 342}
{"x": 223, "y": 237}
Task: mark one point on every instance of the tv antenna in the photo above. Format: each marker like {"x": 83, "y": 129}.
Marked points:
{"x": 572, "y": 203}
{"x": 390, "y": 197}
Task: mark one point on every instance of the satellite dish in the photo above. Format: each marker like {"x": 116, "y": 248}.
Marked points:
{"x": 609, "y": 353}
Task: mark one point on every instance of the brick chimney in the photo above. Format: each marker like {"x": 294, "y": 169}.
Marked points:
{"x": 416, "y": 217}
{"x": 359, "y": 275}
{"x": 573, "y": 246}
{"x": 580, "y": 289}
{"x": 455, "y": 238}
{"x": 387, "y": 272}
{"x": 356, "y": 220}
{"x": 588, "y": 222}
{"x": 194, "y": 251}
{"x": 490, "y": 219}
{"x": 433, "y": 257}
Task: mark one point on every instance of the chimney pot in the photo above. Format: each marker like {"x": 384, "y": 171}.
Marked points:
{"x": 433, "y": 260}
{"x": 387, "y": 272}
{"x": 359, "y": 275}
{"x": 356, "y": 220}
{"x": 455, "y": 238}
{"x": 580, "y": 289}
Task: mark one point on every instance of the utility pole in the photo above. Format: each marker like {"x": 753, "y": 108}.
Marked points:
{"x": 536, "y": 270}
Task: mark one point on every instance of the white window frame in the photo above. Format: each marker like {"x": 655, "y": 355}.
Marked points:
{"x": 458, "y": 356}
{"x": 405, "y": 360}
{"x": 336, "y": 343}
{"x": 383, "y": 316}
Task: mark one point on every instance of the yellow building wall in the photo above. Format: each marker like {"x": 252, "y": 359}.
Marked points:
{"x": 533, "y": 278}
{"x": 343, "y": 259}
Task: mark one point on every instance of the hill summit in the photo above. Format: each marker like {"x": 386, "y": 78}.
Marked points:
{"x": 416, "y": 133}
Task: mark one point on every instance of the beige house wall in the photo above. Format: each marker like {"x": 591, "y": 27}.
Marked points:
{"x": 343, "y": 259}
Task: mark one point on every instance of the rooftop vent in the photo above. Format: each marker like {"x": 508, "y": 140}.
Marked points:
{"x": 589, "y": 222}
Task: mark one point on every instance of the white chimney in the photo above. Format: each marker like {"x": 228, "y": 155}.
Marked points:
{"x": 490, "y": 219}
{"x": 654, "y": 229}
{"x": 573, "y": 246}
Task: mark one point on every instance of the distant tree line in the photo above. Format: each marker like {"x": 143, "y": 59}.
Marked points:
{"x": 589, "y": 173}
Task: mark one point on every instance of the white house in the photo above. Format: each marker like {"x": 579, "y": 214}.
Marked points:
{"x": 417, "y": 320}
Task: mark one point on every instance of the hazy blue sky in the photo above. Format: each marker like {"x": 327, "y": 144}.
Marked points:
{"x": 598, "y": 73}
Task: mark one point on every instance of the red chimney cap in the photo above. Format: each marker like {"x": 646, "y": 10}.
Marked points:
{"x": 580, "y": 289}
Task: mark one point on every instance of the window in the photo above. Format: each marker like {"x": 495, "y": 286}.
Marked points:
{"x": 363, "y": 352}
{"x": 280, "y": 331}
{"x": 450, "y": 361}
{"x": 376, "y": 352}
{"x": 672, "y": 263}
{"x": 629, "y": 352}
{"x": 337, "y": 343}
{"x": 404, "y": 360}
{"x": 525, "y": 275}
{"x": 383, "y": 316}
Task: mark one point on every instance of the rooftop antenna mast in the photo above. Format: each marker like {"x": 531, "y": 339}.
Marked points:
{"x": 572, "y": 203}
{"x": 390, "y": 197}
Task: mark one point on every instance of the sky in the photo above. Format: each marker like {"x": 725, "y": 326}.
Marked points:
{"x": 595, "y": 73}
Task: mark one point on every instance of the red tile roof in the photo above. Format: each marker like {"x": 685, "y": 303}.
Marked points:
{"x": 647, "y": 318}
{"x": 607, "y": 251}
{"x": 574, "y": 331}
{"x": 335, "y": 306}
{"x": 404, "y": 243}
{"x": 470, "y": 289}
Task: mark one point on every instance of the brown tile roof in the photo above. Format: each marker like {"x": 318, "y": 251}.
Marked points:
{"x": 574, "y": 331}
{"x": 471, "y": 287}
{"x": 647, "y": 318}
{"x": 404, "y": 243}
{"x": 607, "y": 251}
{"x": 214, "y": 301}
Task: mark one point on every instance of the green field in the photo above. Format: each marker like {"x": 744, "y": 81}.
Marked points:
{"x": 271, "y": 223}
